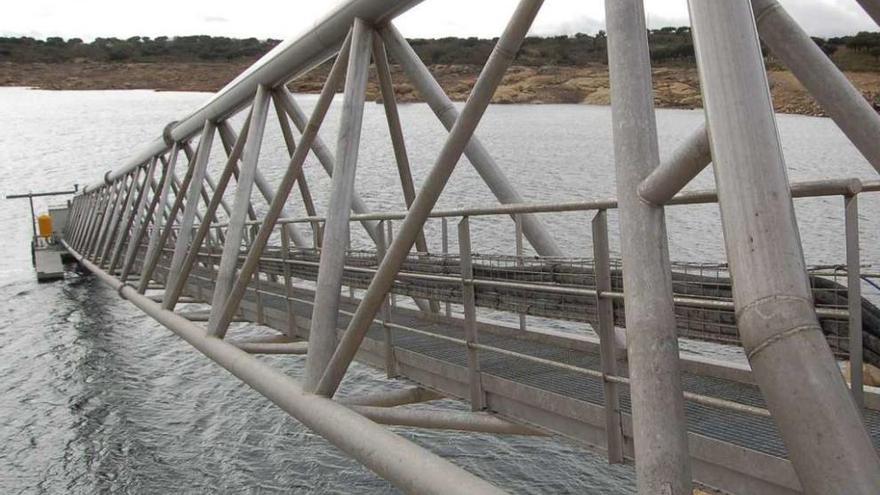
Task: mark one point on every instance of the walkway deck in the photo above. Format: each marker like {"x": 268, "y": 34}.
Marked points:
{"x": 737, "y": 451}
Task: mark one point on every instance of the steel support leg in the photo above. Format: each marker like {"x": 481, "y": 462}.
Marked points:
{"x": 142, "y": 223}
{"x": 193, "y": 193}
{"x": 659, "y": 427}
{"x": 605, "y": 331}
{"x": 162, "y": 227}
{"x": 294, "y": 168}
{"x": 204, "y": 228}
{"x": 854, "y": 298}
{"x": 790, "y": 358}
{"x": 322, "y": 335}
{"x": 459, "y": 137}
{"x": 235, "y": 230}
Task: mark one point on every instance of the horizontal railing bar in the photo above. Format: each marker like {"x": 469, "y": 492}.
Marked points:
{"x": 808, "y": 189}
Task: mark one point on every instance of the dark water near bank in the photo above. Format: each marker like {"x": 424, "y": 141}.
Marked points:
{"x": 99, "y": 398}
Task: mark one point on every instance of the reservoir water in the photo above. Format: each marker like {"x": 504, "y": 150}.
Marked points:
{"x": 98, "y": 397}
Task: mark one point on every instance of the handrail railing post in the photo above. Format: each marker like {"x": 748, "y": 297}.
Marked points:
{"x": 605, "y": 331}
{"x": 444, "y": 239}
{"x": 390, "y": 361}
{"x": 854, "y": 297}
{"x": 829, "y": 447}
{"x": 517, "y": 220}
{"x": 389, "y": 238}
{"x": 468, "y": 298}
{"x": 288, "y": 284}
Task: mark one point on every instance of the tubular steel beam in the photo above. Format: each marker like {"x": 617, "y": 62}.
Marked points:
{"x": 131, "y": 214}
{"x": 290, "y": 143}
{"x": 395, "y": 129}
{"x": 228, "y": 136}
{"x": 872, "y": 7}
{"x": 322, "y": 153}
{"x": 163, "y": 224}
{"x": 832, "y": 90}
{"x": 605, "y": 331}
{"x": 459, "y": 137}
{"x": 322, "y": 335}
{"x": 659, "y": 426}
{"x": 817, "y": 418}
{"x": 141, "y": 226}
{"x": 854, "y": 298}
{"x": 444, "y": 420}
{"x": 409, "y": 467}
{"x": 193, "y": 193}
{"x": 235, "y": 231}
{"x": 674, "y": 173}
{"x": 202, "y": 233}
{"x": 411, "y": 395}
{"x": 479, "y": 157}
{"x": 294, "y": 168}
{"x": 285, "y": 62}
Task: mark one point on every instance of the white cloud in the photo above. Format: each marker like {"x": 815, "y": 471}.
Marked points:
{"x": 433, "y": 18}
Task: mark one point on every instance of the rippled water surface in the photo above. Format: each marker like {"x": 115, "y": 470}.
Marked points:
{"x": 98, "y": 397}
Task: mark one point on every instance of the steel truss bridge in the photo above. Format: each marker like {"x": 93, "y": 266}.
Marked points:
{"x": 159, "y": 231}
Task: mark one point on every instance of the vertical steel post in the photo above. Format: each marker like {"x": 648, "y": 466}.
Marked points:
{"x": 322, "y": 335}
{"x": 790, "y": 358}
{"x": 288, "y": 285}
{"x": 118, "y": 193}
{"x": 479, "y": 157}
{"x": 659, "y": 427}
{"x": 389, "y": 238}
{"x": 605, "y": 331}
{"x": 390, "y": 365}
{"x": 854, "y": 297}
{"x": 210, "y": 214}
{"x": 518, "y": 234}
{"x": 193, "y": 193}
{"x": 99, "y": 202}
{"x": 158, "y": 236}
{"x": 114, "y": 233}
{"x": 294, "y": 168}
{"x": 33, "y": 217}
{"x": 236, "y": 226}
{"x": 131, "y": 214}
{"x": 502, "y": 55}
{"x": 142, "y": 223}
{"x": 444, "y": 239}
{"x": 468, "y": 299}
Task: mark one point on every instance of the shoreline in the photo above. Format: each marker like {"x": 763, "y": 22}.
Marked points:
{"x": 674, "y": 86}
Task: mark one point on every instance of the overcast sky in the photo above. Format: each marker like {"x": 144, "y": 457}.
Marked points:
{"x": 88, "y": 19}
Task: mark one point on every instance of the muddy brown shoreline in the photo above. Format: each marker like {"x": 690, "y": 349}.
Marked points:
{"x": 674, "y": 87}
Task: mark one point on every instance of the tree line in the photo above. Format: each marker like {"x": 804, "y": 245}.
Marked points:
{"x": 667, "y": 45}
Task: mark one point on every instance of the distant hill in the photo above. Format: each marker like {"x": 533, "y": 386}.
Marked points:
{"x": 669, "y": 45}
{"x": 557, "y": 69}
